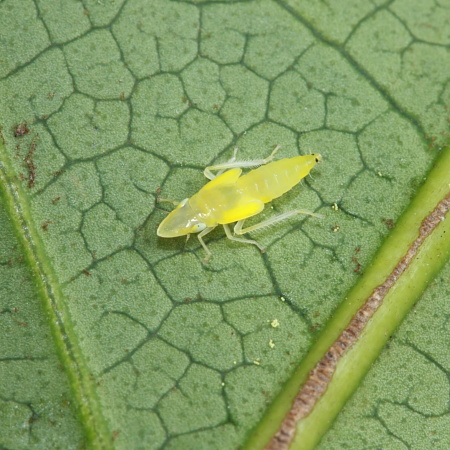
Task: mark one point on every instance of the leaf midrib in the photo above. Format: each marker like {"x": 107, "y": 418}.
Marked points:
{"x": 47, "y": 290}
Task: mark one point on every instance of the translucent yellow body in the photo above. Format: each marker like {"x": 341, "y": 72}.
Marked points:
{"x": 232, "y": 197}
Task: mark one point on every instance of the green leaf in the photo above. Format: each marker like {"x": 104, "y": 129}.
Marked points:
{"x": 410, "y": 257}
{"x": 113, "y": 338}
{"x": 36, "y": 403}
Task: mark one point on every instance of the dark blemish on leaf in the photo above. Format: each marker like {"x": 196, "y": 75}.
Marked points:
{"x": 358, "y": 265}
{"x": 46, "y": 224}
{"x": 86, "y": 272}
{"x": 432, "y": 143}
{"x": 34, "y": 417}
{"x": 21, "y": 130}
{"x": 29, "y": 161}
{"x": 336, "y": 228}
{"x": 319, "y": 378}
{"x": 355, "y": 260}
{"x": 389, "y": 223}
{"x": 122, "y": 96}
{"x": 56, "y": 200}
{"x": 17, "y": 153}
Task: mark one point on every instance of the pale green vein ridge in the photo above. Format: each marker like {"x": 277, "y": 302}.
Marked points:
{"x": 47, "y": 289}
{"x": 353, "y": 366}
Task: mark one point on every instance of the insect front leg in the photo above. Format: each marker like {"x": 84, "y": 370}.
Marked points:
{"x": 200, "y": 238}
{"x": 245, "y": 241}
{"x": 238, "y": 229}
{"x": 233, "y": 164}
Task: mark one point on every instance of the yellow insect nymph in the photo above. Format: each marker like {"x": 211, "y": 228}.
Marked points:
{"x": 230, "y": 197}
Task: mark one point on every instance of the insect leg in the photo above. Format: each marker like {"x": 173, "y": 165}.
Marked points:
{"x": 200, "y": 238}
{"x": 220, "y": 167}
{"x": 273, "y": 220}
{"x": 245, "y": 241}
{"x": 232, "y": 164}
{"x": 167, "y": 200}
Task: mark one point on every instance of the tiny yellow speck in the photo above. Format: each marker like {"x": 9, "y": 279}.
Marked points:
{"x": 283, "y": 299}
{"x": 271, "y": 344}
{"x": 234, "y": 362}
{"x": 336, "y": 228}
{"x": 223, "y": 384}
{"x": 379, "y": 174}
{"x": 335, "y": 207}
{"x": 275, "y": 323}
{"x": 256, "y": 362}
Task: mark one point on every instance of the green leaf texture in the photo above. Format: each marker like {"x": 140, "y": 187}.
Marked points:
{"x": 113, "y": 338}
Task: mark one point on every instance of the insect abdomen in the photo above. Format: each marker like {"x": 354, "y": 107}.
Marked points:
{"x": 274, "y": 179}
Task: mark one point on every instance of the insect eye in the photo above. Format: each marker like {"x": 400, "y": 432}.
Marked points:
{"x": 198, "y": 227}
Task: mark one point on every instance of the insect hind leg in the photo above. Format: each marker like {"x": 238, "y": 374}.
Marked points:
{"x": 233, "y": 164}
{"x": 238, "y": 229}
{"x": 245, "y": 241}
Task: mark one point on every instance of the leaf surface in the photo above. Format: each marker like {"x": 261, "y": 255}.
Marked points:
{"x": 114, "y": 338}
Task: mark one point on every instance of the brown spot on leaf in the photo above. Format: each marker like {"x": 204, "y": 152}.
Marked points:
{"x": 389, "y": 223}
{"x": 29, "y": 162}
{"x": 46, "y": 224}
{"x": 21, "y": 129}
